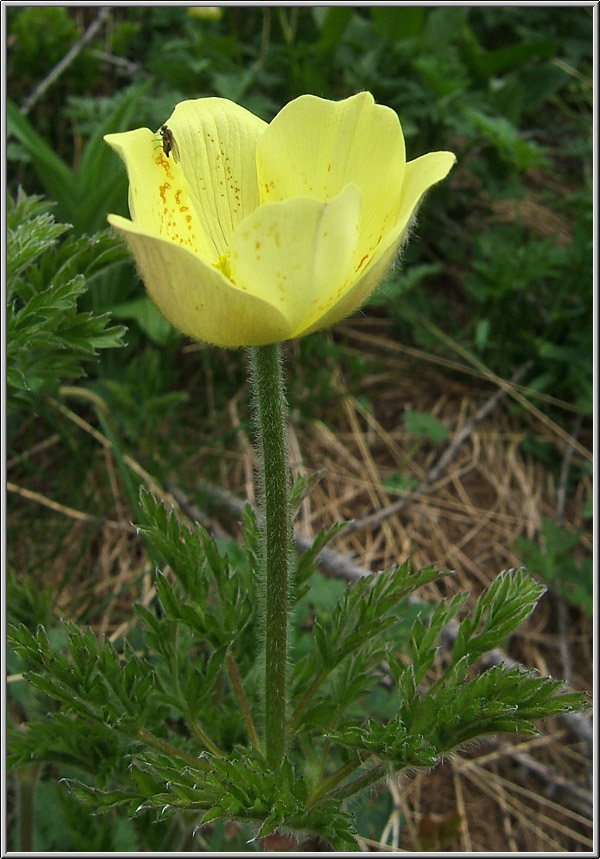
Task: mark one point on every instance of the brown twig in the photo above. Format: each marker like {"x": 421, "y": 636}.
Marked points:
{"x": 571, "y": 793}
{"x": 555, "y": 428}
{"x": 66, "y": 60}
{"x": 125, "y": 66}
{"x": 339, "y": 565}
{"x": 37, "y": 448}
{"x": 67, "y": 511}
{"x": 437, "y": 470}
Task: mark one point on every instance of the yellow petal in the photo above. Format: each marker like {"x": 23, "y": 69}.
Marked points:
{"x": 358, "y": 293}
{"x": 297, "y": 254}
{"x": 159, "y": 202}
{"x": 420, "y": 175}
{"x": 196, "y": 298}
{"x": 216, "y": 141}
{"x": 315, "y": 147}
{"x": 248, "y": 234}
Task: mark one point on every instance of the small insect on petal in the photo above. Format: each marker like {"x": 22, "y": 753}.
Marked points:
{"x": 169, "y": 143}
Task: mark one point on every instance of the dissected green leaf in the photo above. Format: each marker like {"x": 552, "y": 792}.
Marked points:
{"x": 48, "y": 337}
{"x": 500, "y": 609}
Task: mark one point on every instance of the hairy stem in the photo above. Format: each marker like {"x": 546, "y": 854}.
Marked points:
{"x": 171, "y": 751}
{"x": 267, "y": 382}
{"x": 330, "y": 783}
{"x": 239, "y": 691}
{"x": 296, "y": 716}
{"x": 193, "y": 723}
{"x": 27, "y": 779}
{"x": 368, "y": 778}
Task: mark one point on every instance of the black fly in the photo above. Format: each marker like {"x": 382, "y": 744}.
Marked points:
{"x": 168, "y": 142}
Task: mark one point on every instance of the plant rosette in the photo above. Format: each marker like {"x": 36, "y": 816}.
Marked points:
{"x": 249, "y": 233}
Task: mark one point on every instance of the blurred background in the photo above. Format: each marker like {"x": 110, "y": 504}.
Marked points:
{"x": 452, "y": 415}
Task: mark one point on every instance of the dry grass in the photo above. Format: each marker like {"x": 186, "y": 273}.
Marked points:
{"x": 500, "y": 796}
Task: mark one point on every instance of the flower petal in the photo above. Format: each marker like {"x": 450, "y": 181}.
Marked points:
{"x": 248, "y": 234}
{"x": 297, "y": 254}
{"x": 159, "y": 202}
{"x": 196, "y": 298}
{"x": 421, "y": 174}
{"x": 314, "y": 147}
{"x": 216, "y": 141}
{"x": 356, "y": 296}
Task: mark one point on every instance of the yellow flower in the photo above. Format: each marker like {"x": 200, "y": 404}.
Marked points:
{"x": 208, "y": 13}
{"x": 247, "y": 233}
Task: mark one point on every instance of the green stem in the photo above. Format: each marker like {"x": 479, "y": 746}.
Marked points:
{"x": 269, "y": 399}
{"x": 27, "y": 779}
{"x": 376, "y": 773}
{"x": 329, "y": 783}
{"x": 170, "y": 750}
{"x": 239, "y": 691}
{"x": 303, "y": 704}
{"x": 201, "y": 734}
{"x": 193, "y": 723}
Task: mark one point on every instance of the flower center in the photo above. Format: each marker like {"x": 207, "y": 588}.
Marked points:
{"x": 223, "y": 265}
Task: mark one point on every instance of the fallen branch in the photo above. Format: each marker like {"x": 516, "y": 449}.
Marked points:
{"x": 339, "y": 565}
{"x": 571, "y": 793}
{"x": 70, "y": 512}
{"x": 66, "y": 60}
{"x": 123, "y": 65}
{"x": 374, "y": 519}
{"x": 555, "y": 428}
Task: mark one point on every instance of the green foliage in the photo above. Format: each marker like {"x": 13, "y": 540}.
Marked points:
{"x": 502, "y": 134}
{"x": 95, "y": 683}
{"x": 425, "y": 426}
{"x": 456, "y": 709}
{"x": 135, "y": 721}
{"x": 41, "y": 37}
{"x": 26, "y": 603}
{"x": 365, "y": 611}
{"x": 429, "y": 726}
{"x": 215, "y": 602}
{"x": 347, "y": 642}
{"x": 60, "y": 826}
{"x": 508, "y": 601}
{"x": 552, "y": 559}
{"x": 547, "y": 288}
{"x": 142, "y": 399}
{"x": 47, "y": 337}
{"x": 239, "y": 788}
{"x": 84, "y": 197}
{"x": 149, "y": 319}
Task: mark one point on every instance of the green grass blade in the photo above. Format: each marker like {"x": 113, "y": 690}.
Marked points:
{"x": 57, "y": 178}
